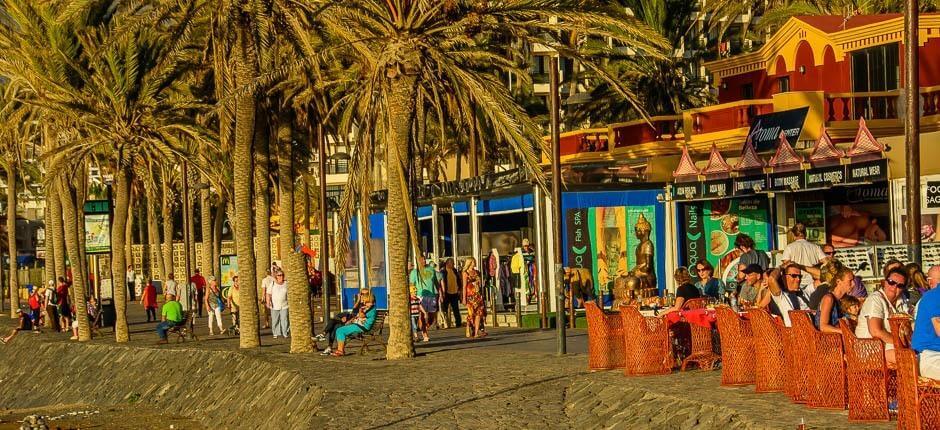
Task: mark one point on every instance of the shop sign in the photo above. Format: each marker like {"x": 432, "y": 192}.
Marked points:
{"x": 579, "y": 239}
{"x": 745, "y": 186}
{"x": 765, "y": 129}
{"x": 868, "y": 171}
{"x": 824, "y": 177}
{"x": 695, "y": 240}
{"x": 933, "y": 194}
{"x": 97, "y": 207}
{"x": 787, "y": 181}
{"x": 874, "y": 193}
{"x": 717, "y": 188}
{"x": 687, "y": 190}
{"x": 813, "y": 216}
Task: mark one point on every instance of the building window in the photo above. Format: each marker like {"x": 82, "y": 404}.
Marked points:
{"x": 783, "y": 84}
{"x": 334, "y": 193}
{"x": 337, "y": 164}
{"x": 747, "y": 91}
{"x": 875, "y": 69}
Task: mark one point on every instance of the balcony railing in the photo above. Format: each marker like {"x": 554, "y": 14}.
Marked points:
{"x": 727, "y": 116}
{"x": 877, "y": 104}
{"x": 639, "y": 132}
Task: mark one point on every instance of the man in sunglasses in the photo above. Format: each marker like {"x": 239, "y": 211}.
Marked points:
{"x": 792, "y": 298}
{"x": 878, "y": 307}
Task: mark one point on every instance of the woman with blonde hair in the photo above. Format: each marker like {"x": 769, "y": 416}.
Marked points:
{"x": 362, "y": 322}
{"x": 473, "y": 297}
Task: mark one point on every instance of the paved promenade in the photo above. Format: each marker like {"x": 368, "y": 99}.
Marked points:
{"x": 511, "y": 379}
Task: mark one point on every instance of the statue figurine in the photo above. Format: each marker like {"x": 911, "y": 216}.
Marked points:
{"x": 641, "y": 280}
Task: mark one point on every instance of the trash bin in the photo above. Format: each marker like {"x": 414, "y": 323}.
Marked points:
{"x": 108, "y": 313}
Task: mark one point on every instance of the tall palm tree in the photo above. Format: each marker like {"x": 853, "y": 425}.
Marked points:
{"x": 17, "y": 127}
{"x": 399, "y": 46}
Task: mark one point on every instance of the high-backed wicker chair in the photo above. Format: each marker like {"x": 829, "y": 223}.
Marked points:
{"x": 798, "y": 352}
{"x": 825, "y": 370}
{"x": 646, "y": 341}
{"x": 867, "y": 376}
{"x": 768, "y": 348}
{"x": 605, "y": 339}
{"x": 699, "y": 303}
{"x": 901, "y": 330}
{"x": 918, "y": 400}
{"x": 737, "y": 348}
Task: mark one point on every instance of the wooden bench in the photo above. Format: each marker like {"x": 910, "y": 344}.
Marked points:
{"x": 182, "y": 330}
{"x": 372, "y": 337}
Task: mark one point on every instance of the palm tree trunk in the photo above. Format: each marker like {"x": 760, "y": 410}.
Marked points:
{"x": 55, "y": 236}
{"x": 400, "y": 111}
{"x": 153, "y": 238}
{"x": 168, "y": 228}
{"x": 298, "y": 297}
{"x": 129, "y": 228}
{"x": 73, "y": 242}
{"x": 205, "y": 226}
{"x": 49, "y": 266}
{"x": 246, "y": 71}
{"x": 262, "y": 206}
{"x": 11, "y": 240}
{"x": 217, "y": 222}
{"x": 118, "y": 258}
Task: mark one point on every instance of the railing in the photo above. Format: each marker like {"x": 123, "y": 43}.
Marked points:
{"x": 727, "y": 116}
{"x": 639, "y": 132}
{"x": 877, "y": 104}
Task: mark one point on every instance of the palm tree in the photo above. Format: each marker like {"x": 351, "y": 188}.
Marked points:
{"x": 17, "y": 127}
{"x": 399, "y": 46}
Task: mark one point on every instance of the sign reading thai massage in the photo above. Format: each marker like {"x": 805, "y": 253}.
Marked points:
{"x": 765, "y": 129}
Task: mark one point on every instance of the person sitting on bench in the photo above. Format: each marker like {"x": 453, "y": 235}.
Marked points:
{"x": 361, "y": 323}
{"x": 171, "y": 316}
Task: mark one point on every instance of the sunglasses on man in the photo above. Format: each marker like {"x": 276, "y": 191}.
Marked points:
{"x": 795, "y": 275}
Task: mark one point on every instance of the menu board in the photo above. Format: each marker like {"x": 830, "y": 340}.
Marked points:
{"x": 858, "y": 259}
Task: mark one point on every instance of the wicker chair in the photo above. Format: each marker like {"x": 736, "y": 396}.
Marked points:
{"x": 867, "y": 375}
{"x": 798, "y": 353}
{"x": 605, "y": 339}
{"x": 737, "y": 348}
{"x": 646, "y": 341}
{"x": 825, "y": 380}
{"x": 901, "y": 330}
{"x": 768, "y": 346}
{"x": 699, "y": 303}
{"x": 918, "y": 399}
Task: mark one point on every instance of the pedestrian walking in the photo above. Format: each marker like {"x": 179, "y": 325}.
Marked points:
{"x": 149, "y": 301}
{"x": 280, "y": 323}
{"x": 214, "y": 306}
{"x": 129, "y": 278}
{"x": 266, "y": 283}
{"x": 200, "y": 283}
{"x": 452, "y": 281}
{"x": 64, "y": 307}
{"x": 424, "y": 278}
{"x": 35, "y": 308}
{"x": 169, "y": 287}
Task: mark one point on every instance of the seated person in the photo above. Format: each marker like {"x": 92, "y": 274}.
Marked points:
{"x": 25, "y": 323}
{"x": 850, "y": 307}
{"x": 685, "y": 291}
{"x": 362, "y": 323}
{"x": 708, "y": 284}
{"x": 926, "y": 339}
{"x": 340, "y": 319}
{"x": 878, "y": 307}
{"x": 790, "y": 298}
{"x": 751, "y": 287}
{"x": 171, "y": 315}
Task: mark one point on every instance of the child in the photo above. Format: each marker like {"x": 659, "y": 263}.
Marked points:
{"x": 850, "y": 306}
{"x": 415, "y": 312}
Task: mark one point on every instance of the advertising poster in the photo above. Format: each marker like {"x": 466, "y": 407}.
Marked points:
{"x": 229, "y": 267}
{"x": 858, "y": 215}
{"x": 813, "y": 216}
{"x": 712, "y": 226}
{"x": 580, "y": 252}
{"x": 97, "y": 234}
{"x": 609, "y": 240}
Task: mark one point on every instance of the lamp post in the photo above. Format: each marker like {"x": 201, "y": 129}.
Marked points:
{"x": 912, "y": 127}
{"x": 324, "y": 242}
{"x": 562, "y": 346}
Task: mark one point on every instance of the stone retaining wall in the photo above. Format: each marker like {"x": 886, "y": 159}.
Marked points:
{"x": 220, "y": 389}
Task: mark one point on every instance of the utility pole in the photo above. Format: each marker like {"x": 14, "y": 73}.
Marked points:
{"x": 562, "y": 347}
{"x": 324, "y": 241}
{"x": 912, "y": 127}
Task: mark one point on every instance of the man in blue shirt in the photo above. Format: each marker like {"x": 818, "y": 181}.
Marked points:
{"x": 926, "y": 338}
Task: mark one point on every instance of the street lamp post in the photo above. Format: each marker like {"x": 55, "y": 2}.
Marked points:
{"x": 912, "y": 127}
{"x": 324, "y": 242}
{"x": 562, "y": 346}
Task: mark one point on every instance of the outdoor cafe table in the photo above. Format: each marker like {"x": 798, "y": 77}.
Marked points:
{"x": 701, "y": 317}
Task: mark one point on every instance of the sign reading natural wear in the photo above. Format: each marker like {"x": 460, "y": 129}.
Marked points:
{"x": 765, "y": 129}
{"x": 868, "y": 171}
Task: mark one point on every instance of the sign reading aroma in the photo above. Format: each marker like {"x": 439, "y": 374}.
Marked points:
{"x": 765, "y": 129}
